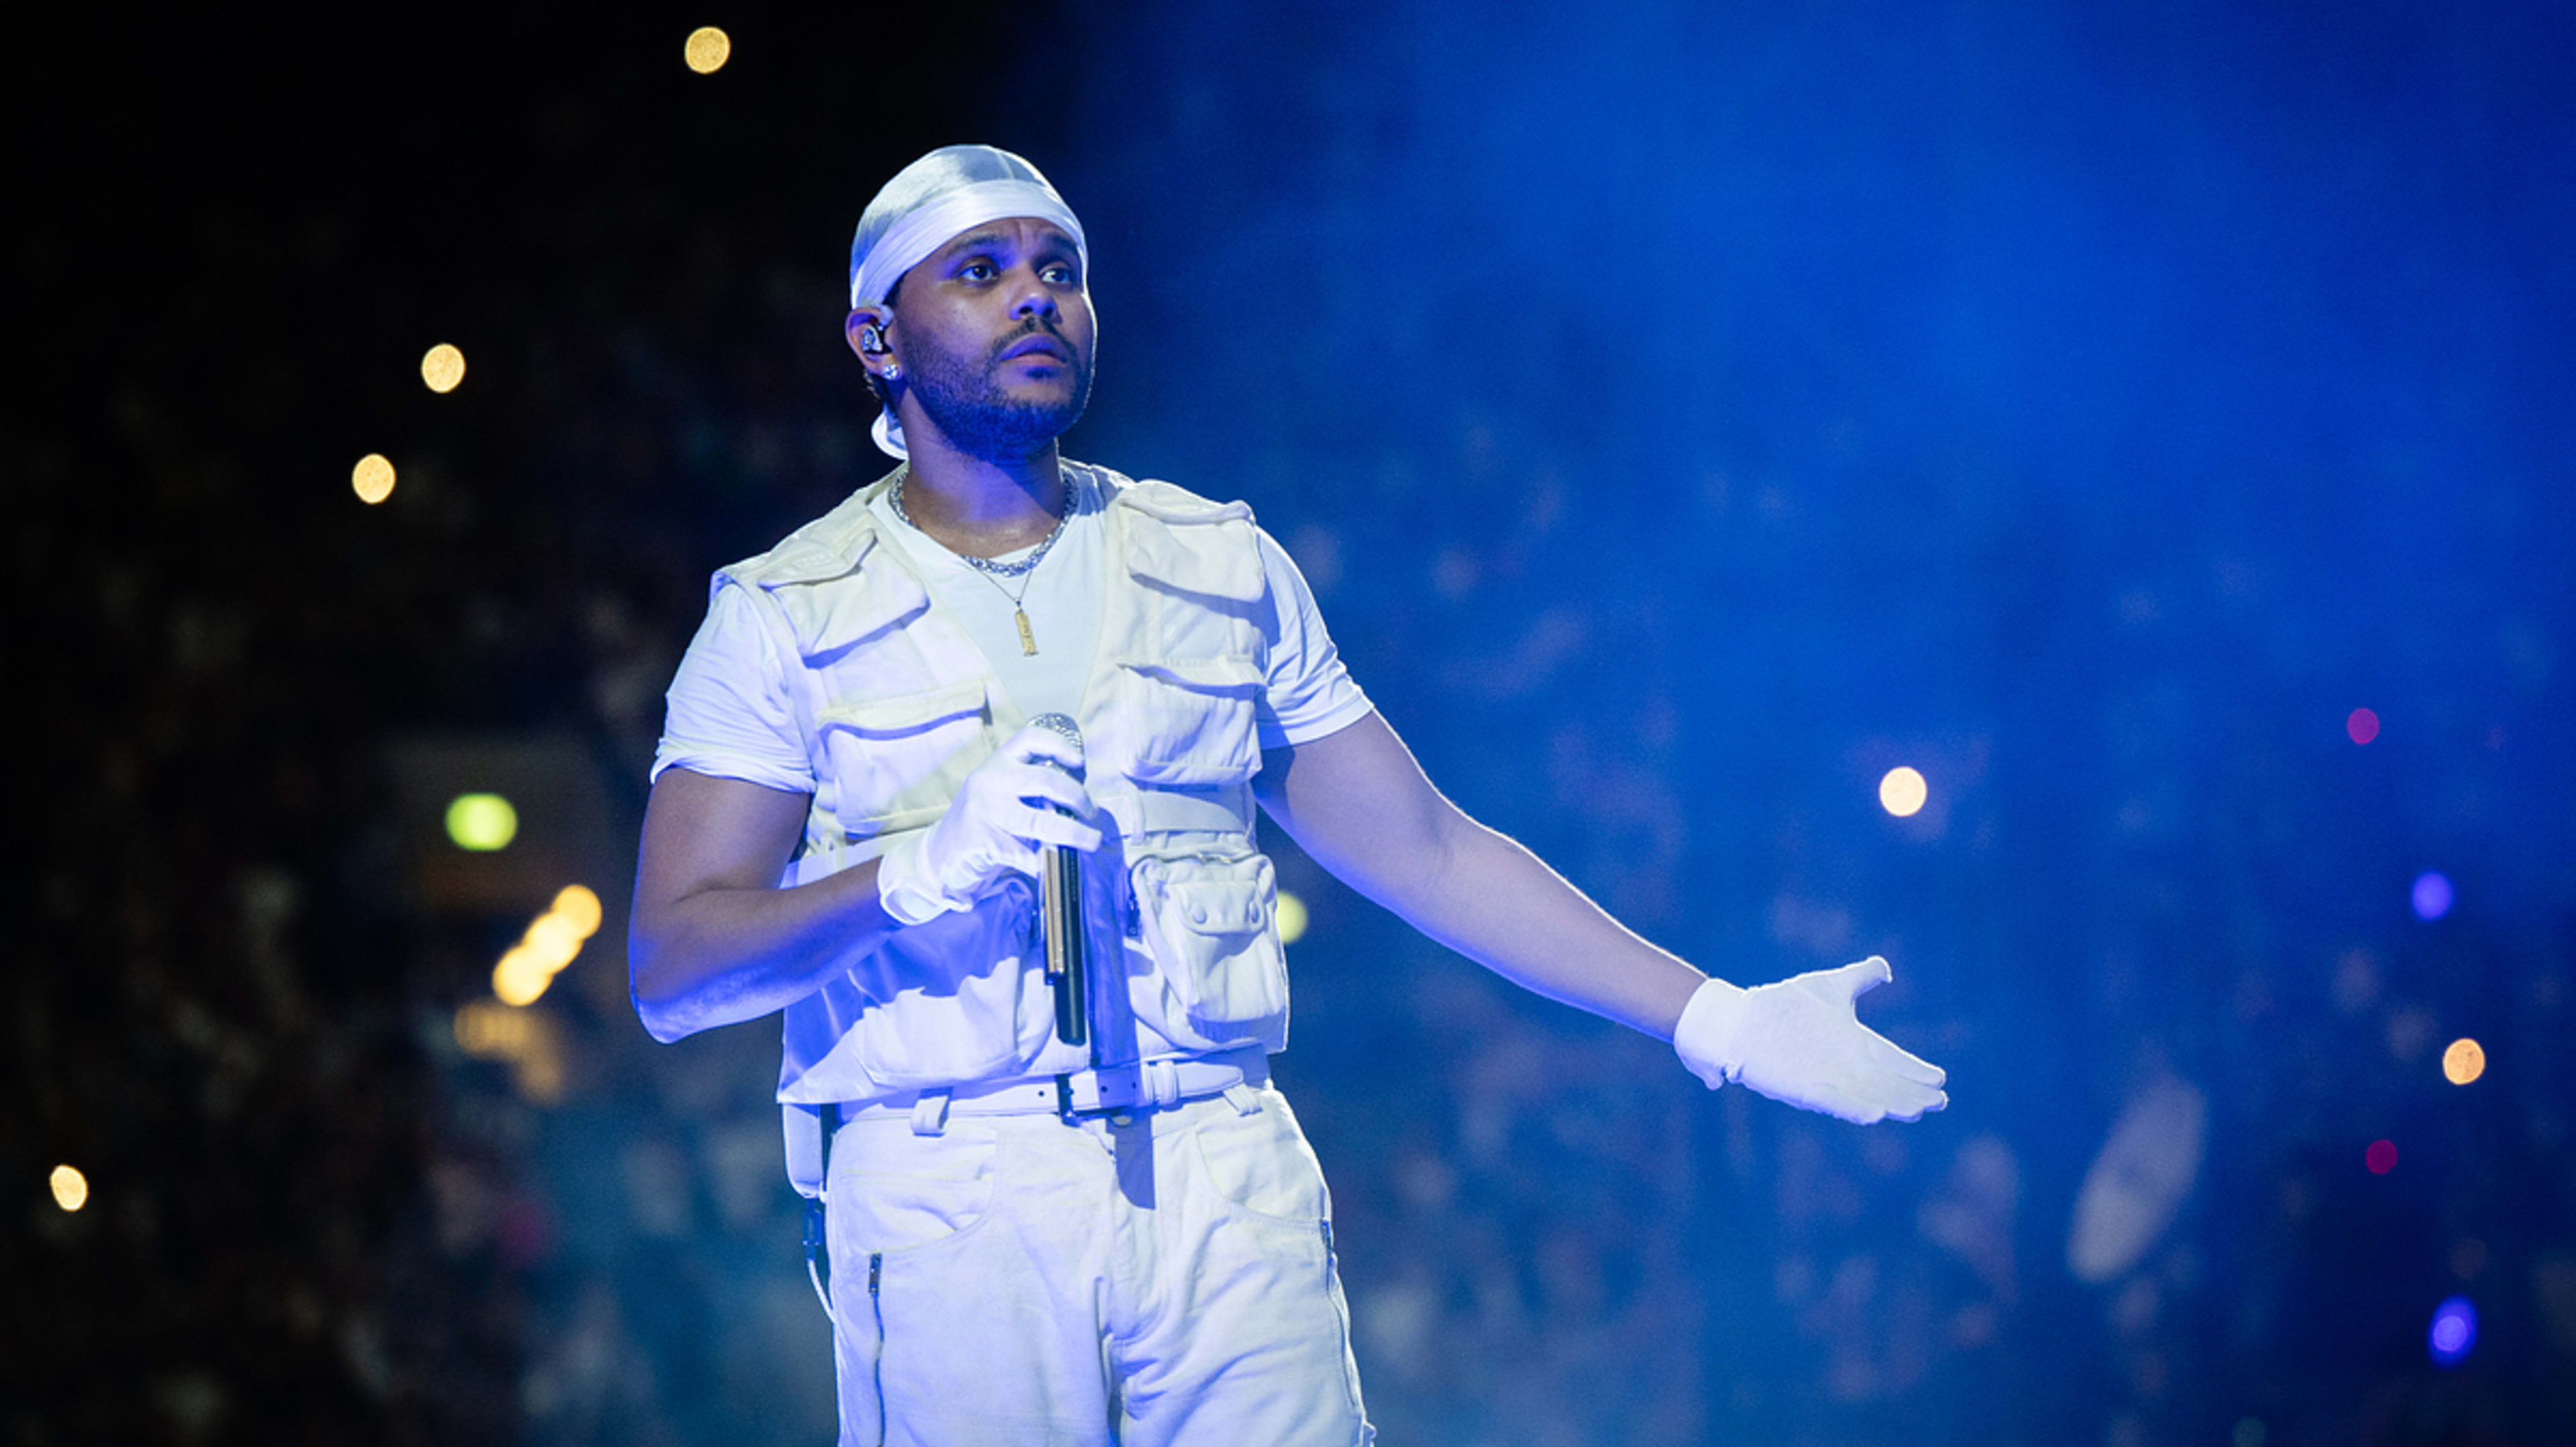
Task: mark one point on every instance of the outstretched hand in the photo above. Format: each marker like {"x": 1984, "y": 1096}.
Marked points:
{"x": 1801, "y": 1042}
{"x": 1015, "y": 803}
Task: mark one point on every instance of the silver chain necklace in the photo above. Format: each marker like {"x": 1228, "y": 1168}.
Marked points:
{"x": 994, "y": 572}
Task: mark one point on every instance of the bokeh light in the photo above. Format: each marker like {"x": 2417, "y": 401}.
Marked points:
{"x": 71, "y": 1188}
{"x": 1292, "y": 918}
{"x": 553, "y": 941}
{"x": 2363, "y": 726}
{"x": 489, "y": 1031}
{"x": 372, "y": 479}
{"x": 2454, "y": 1332}
{"x": 2381, "y": 1157}
{"x": 2465, "y": 1061}
{"x": 442, "y": 368}
{"x": 481, "y": 822}
{"x": 708, "y": 49}
{"x": 521, "y": 976}
{"x": 575, "y": 902}
{"x": 2249, "y": 1432}
{"x": 523, "y": 1039}
{"x": 2432, "y": 896}
{"x": 1903, "y": 791}
{"x": 554, "y": 937}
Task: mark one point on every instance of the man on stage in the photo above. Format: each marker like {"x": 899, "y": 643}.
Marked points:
{"x": 1112, "y": 1232}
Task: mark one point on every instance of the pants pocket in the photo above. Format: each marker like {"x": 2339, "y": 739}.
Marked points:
{"x": 1261, "y": 1166}
{"x": 893, "y": 1191}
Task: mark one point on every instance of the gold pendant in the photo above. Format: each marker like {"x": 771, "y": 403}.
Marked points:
{"x": 1028, "y": 640}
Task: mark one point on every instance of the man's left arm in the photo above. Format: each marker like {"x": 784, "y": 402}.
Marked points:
{"x": 1360, "y": 805}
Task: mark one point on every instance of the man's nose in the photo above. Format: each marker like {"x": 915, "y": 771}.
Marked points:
{"x": 1035, "y": 299}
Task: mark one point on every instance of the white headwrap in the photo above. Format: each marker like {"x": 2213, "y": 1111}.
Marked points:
{"x": 926, "y": 205}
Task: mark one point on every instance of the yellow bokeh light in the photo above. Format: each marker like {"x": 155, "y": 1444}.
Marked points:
{"x": 1902, "y": 792}
{"x": 481, "y": 822}
{"x": 553, "y": 940}
{"x": 1292, "y": 918}
{"x": 372, "y": 479}
{"x": 2465, "y": 1061}
{"x": 708, "y": 49}
{"x": 443, "y": 368}
{"x": 524, "y": 1039}
{"x": 487, "y": 1030}
{"x": 576, "y": 903}
{"x": 521, "y": 977}
{"x": 71, "y": 1188}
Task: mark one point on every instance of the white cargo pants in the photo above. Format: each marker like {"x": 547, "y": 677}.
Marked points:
{"x": 1015, "y": 1280}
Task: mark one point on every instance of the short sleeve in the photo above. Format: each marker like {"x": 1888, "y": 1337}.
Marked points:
{"x": 727, "y": 714}
{"x": 1308, "y": 693}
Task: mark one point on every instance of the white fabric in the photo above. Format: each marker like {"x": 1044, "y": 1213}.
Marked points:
{"x": 842, "y": 659}
{"x": 1062, "y": 597}
{"x": 728, "y": 715}
{"x": 1014, "y": 1279}
{"x": 1006, "y": 813}
{"x": 1156, "y": 1083}
{"x": 926, "y": 229}
{"x": 1799, "y": 1042}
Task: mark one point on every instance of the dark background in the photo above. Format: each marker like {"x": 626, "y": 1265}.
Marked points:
{"x": 1684, "y": 415}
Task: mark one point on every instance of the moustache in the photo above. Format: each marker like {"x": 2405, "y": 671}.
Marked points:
{"x": 1030, "y": 328}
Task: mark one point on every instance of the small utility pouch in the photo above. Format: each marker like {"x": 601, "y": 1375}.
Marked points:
{"x": 1212, "y": 921}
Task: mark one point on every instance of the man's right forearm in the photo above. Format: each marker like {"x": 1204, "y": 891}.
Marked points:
{"x": 719, "y": 956}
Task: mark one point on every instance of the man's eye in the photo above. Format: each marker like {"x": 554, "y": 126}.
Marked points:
{"x": 1060, "y": 275}
{"x": 977, "y": 271}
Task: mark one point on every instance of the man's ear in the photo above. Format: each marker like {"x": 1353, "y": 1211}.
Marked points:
{"x": 866, "y": 333}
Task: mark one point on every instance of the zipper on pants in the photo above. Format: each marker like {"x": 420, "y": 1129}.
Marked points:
{"x": 876, "y": 1305}
{"x": 1342, "y": 1321}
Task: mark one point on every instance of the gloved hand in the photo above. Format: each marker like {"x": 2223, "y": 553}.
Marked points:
{"x": 1800, "y": 1043}
{"x": 1002, "y": 815}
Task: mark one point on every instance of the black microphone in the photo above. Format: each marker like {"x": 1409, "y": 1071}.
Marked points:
{"x": 1060, "y": 911}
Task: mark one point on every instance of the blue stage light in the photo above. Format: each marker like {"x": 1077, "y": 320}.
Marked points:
{"x": 2432, "y": 896}
{"x": 2455, "y": 1330}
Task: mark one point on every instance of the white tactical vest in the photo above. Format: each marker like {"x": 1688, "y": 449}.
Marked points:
{"x": 896, "y": 705}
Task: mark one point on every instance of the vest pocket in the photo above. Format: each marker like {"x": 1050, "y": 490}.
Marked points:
{"x": 950, "y": 1001}
{"x": 896, "y": 762}
{"x": 1212, "y": 922}
{"x": 1188, "y": 722}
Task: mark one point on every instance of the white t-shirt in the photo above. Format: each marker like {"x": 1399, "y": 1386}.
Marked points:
{"x": 1064, "y": 613}
{"x": 728, "y": 713}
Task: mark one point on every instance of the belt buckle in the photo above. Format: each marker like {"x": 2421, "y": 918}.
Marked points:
{"x": 1144, "y": 1085}
{"x": 1114, "y": 1090}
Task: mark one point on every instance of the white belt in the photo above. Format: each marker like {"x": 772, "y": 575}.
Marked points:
{"x": 1114, "y": 1089}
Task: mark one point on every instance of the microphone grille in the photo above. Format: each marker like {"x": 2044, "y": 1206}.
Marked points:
{"x": 1060, "y": 724}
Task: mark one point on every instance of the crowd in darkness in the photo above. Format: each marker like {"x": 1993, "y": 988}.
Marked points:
{"x": 2153, "y": 861}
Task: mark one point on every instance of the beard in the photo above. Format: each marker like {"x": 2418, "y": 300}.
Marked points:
{"x": 961, "y": 396}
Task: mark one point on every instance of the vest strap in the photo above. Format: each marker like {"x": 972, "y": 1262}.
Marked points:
{"x": 1223, "y": 810}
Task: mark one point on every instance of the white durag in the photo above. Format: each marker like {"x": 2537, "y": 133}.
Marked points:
{"x": 925, "y": 206}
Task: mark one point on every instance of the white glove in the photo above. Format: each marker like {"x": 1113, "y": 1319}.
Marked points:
{"x": 1799, "y": 1042}
{"x": 1002, "y": 815}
